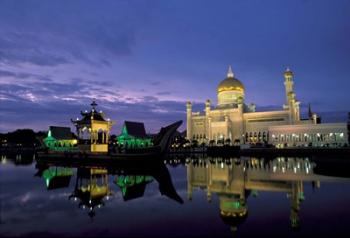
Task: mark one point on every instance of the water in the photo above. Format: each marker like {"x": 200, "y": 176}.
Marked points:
{"x": 243, "y": 197}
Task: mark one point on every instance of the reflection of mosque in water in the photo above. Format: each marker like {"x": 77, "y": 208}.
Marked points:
{"x": 234, "y": 180}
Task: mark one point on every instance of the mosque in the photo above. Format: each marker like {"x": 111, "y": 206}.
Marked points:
{"x": 233, "y": 121}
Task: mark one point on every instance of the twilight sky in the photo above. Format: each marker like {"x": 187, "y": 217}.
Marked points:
{"x": 142, "y": 60}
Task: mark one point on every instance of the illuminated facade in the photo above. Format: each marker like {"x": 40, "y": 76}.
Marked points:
{"x": 60, "y": 139}
{"x": 93, "y": 130}
{"x": 235, "y": 122}
{"x": 133, "y": 135}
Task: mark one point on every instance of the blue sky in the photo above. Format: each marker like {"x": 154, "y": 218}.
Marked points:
{"x": 142, "y": 60}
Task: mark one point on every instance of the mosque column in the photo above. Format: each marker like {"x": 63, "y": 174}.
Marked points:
{"x": 95, "y": 136}
{"x": 241, "y": 124}
{"x": 189, "y": 120}
{"x": 227, "y": 126}
{"x": 91, "y": 137}
{"x": 207, "y": 115}
{"x": 107, "y": 136}
{"x": 209, "y": 129}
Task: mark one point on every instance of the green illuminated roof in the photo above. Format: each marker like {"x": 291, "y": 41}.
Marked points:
{"x": 60, "y": 133}
{"x": 133, "y": 186}
{"x": 135, "y": 129}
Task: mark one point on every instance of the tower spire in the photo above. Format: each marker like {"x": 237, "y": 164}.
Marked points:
{"x": 310, "y": 112}
{"x": 230, "y": 72}
{"x": 93, "y": 104}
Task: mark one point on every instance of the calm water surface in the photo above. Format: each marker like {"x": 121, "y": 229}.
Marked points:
{"x": 243, "y": 197}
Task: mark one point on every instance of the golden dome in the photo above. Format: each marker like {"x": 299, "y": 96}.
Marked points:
{"x": 288, "y": 72}
{"x": 230, "y": 83}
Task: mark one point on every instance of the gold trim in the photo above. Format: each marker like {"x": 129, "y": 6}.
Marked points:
{"x": 230, "y": 89}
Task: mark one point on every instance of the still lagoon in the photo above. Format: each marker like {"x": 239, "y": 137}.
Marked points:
{"x": 187, "y": 196}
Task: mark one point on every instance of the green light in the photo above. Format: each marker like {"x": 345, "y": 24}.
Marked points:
{"x": 124, "y": 130}
{"x": 47, "y": 182}
{"x": 128, "y": 181}
{"x": 50, "y": 173}
{"x": 301, "y": 196}
{"x": 229, "y": 204}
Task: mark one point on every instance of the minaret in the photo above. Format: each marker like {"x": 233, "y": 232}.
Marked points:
{"x": 207, "y": 107}
{"x": 189, "y": 120}
{"x": 310, "y": 112}
{"x": 288, "y": 83}
{"x": 312, "y": 116}
{"x": 207, "y": 120}
{"x": 292, "y": 104}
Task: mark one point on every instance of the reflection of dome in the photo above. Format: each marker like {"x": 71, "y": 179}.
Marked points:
{"x": 230, "y": 90}
{"x": 234, "y": 220}
{"x": 232, "y": 208}
{"x": 230, "y": 83}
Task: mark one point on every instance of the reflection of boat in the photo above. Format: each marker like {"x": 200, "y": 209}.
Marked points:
{"x": 161, "y": 145}
{"x": 92, "y": 182}
{"x": 91, "y": 188}
{"x": 55, "y": 177}
{"x": 132, "y": 186}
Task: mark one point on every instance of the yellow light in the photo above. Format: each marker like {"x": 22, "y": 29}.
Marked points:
{"x": 222, "y": 89}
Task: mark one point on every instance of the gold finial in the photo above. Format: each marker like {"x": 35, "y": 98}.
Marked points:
{"x": 230, "y": 72}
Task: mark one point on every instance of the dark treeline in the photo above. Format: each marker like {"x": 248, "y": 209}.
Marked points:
{"x": 22, "y": 137}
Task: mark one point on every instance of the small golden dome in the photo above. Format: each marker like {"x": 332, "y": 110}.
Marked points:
{"x": 288, "y": 72}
